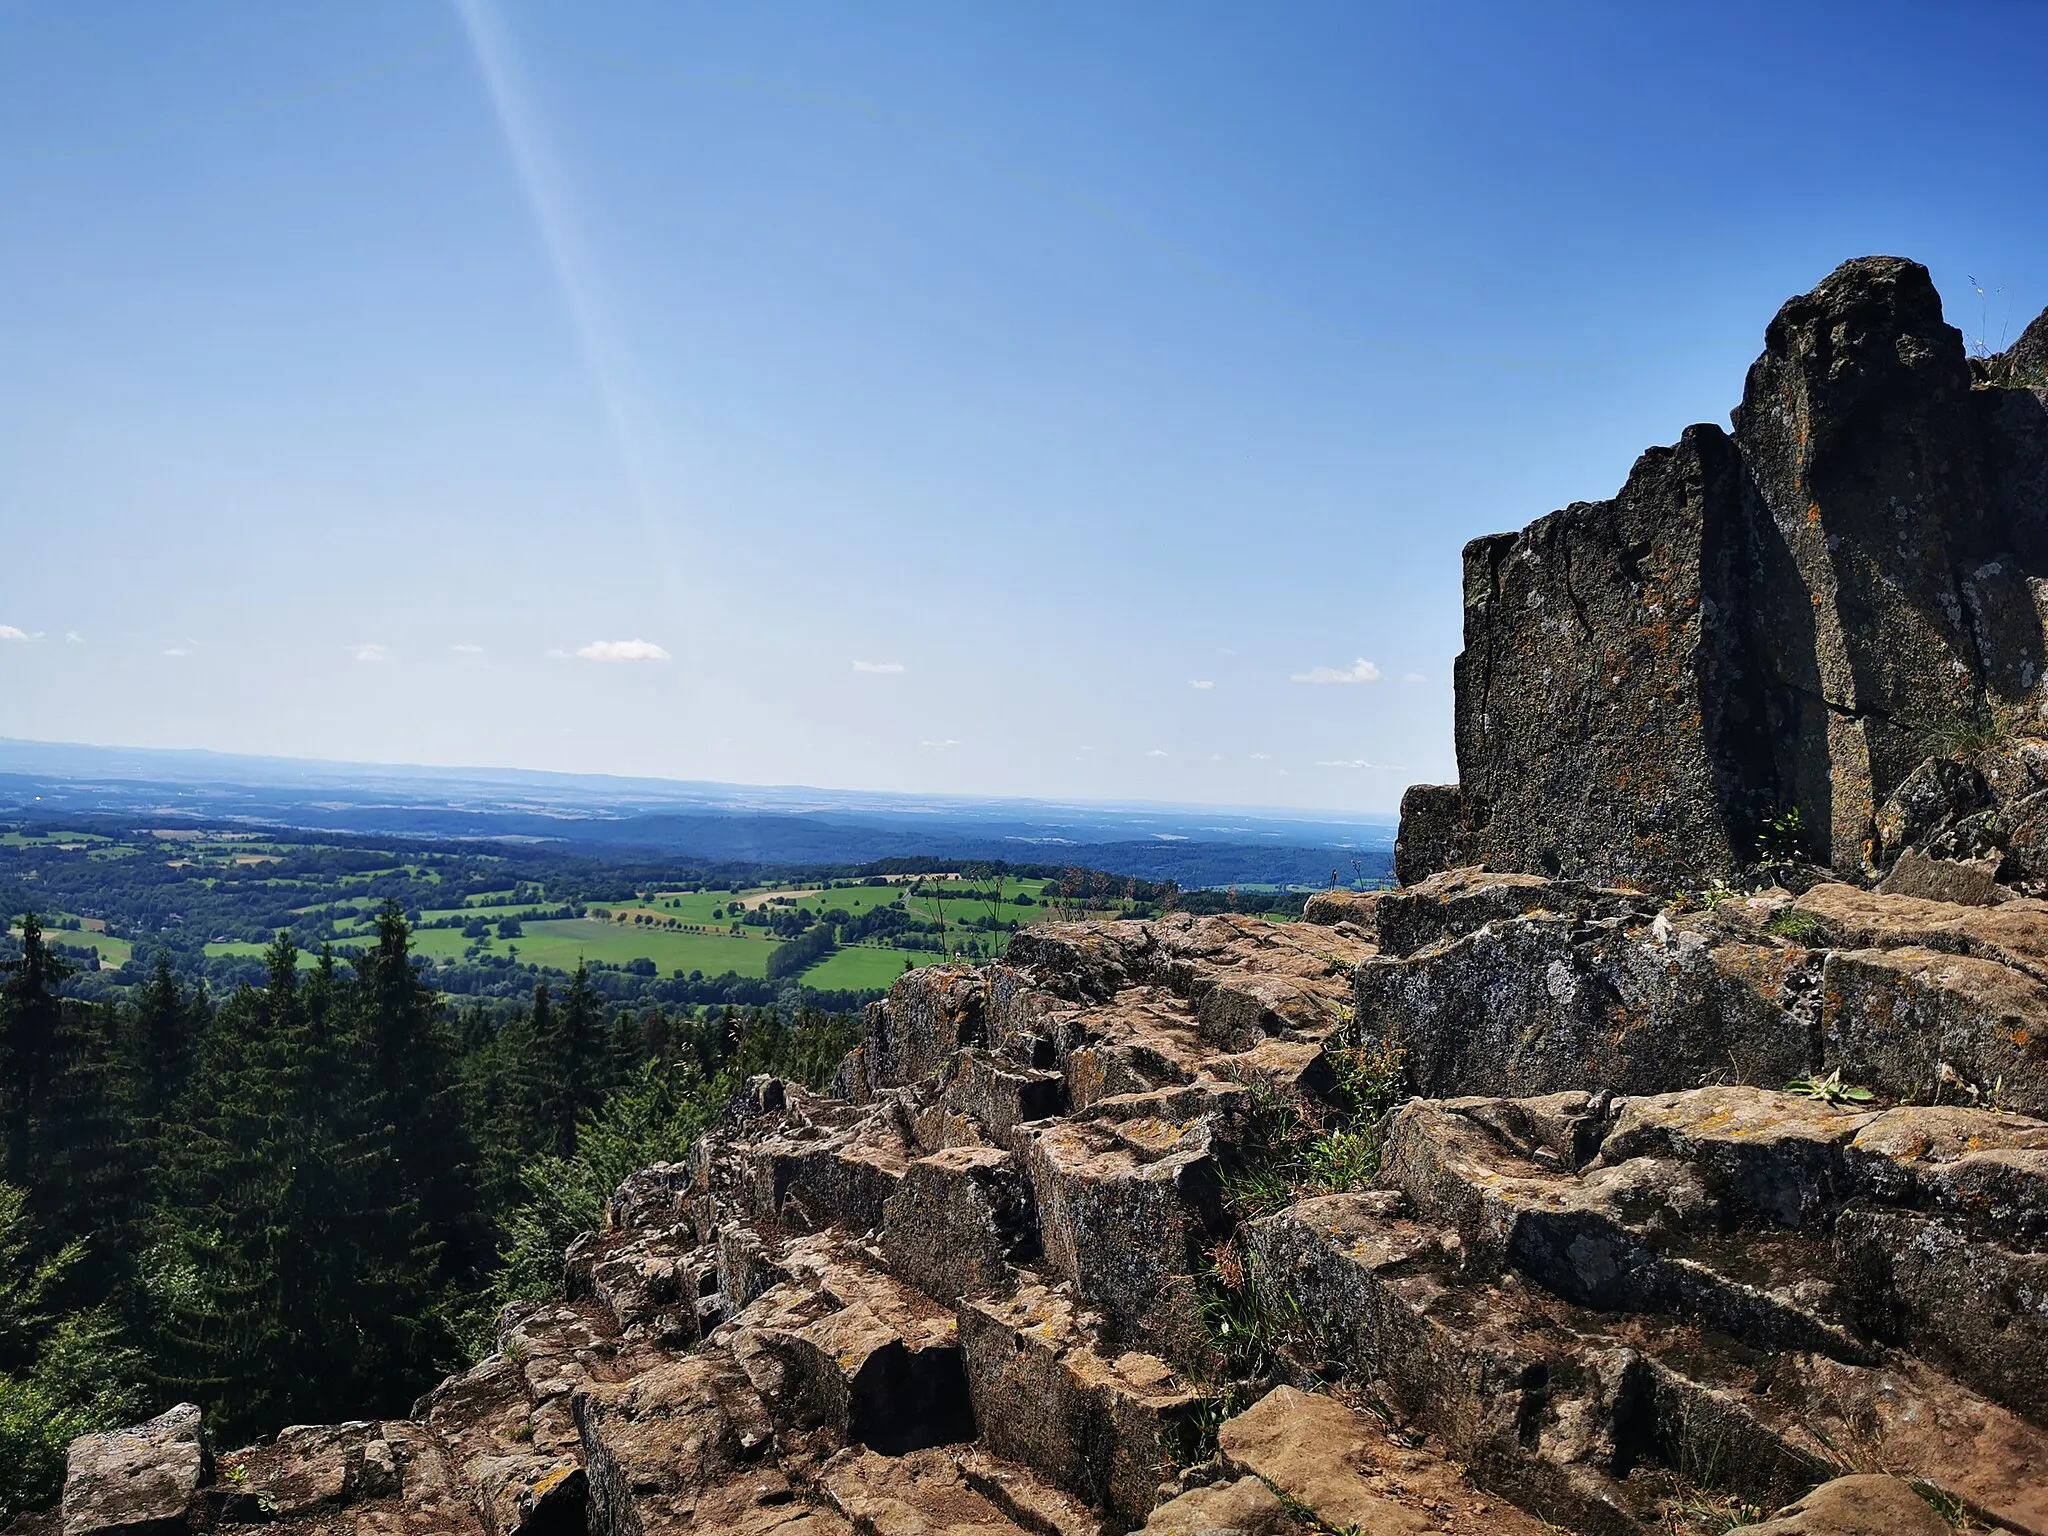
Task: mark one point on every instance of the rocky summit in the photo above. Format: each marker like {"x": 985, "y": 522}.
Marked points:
{"x": 1786, "y": 620}
{"x": 1669, "y": 1152}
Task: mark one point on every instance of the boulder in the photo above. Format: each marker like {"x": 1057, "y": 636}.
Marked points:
{"x": 1246, "y": 1507}
{"x": 1436, "y": 833}
{"x": 1329, "y": 908}
{"x": 1780, "y": 1157}
{"x": 1862, "y": 1505}
{"x": 136, "y": 1482}
{"x": 1966, "y": 882}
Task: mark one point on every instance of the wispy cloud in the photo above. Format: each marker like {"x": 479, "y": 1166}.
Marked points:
{"x": 1414, "y": 677}
{"x": 1361, "y": 671}
{"x": 73, "y": 637}
{"x": 1359, "y": 762}
{"x": 878, "y": 668}
{"x": 179, "y": 650}
{"x": 1201, "y": 684}
{"x": 370, "y": 652}
{"x": 948, "y": 742}
{"x": 1261, "y": 757}
{"x": 467, "y": 649}
{"x": 622, "y": 650}
{"x": 9, "y": 632}
{"x": 1155, "y": 752}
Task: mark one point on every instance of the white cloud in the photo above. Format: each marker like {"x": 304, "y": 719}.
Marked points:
{"x": 178, "y": 650}
{"x": 1155, "y": 752}
{"x": 1201, "y": 684}
{"x": 1414, "y": 677}
{"x": 948, "y": 742}
{"x": 466, "y": 649}
{"x": 878, "y": 668}
{"x": 1215, "y": 757}
{"x": 1362, "y": 671}
{"x": 9, "y": 632}
{"x": 370, "y": 652}
{"x": 1359, "y": 762}
{"x": 1261, "y": 757}
{"x": 73, "y": 637}
{"x": 622, "y": 650}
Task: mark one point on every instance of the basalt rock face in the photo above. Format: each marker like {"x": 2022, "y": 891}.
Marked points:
{"x": 1794, "y": 615}
{"x": 1005, "y": 1278}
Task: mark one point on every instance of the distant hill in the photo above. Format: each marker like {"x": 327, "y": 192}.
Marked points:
{"x": 628, "y": 818}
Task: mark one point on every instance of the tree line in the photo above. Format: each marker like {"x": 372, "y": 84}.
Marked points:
{"x": 304, "y": 1200}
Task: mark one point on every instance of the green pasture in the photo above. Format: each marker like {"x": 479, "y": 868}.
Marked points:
{"x": 863, "y": 967}
{"x": 113, "y": 952}
{"x": 559, "y": 944}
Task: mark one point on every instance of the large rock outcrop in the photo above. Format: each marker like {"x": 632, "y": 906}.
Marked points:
{"x": 1789, "y": 617}
{"x": 1037, "y": 1265}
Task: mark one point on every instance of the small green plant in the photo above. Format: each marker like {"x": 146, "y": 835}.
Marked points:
{"x": 1782, "y": 838}
{"x": 1247, "y": 1323}
{"x": 1799, "y": 926}
{"x": 1945, "y": 1504}
{"x": 1705, "y": 1514}
{"x": 523, "y": 1432}
{"x": 1830, "y": 1089}
{"x": 514, "y": 1352}
{"x": 235, "y": 1473}
{"x": 1341, "y": 1160}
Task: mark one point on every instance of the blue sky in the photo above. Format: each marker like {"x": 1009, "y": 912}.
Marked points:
{"x": 1065, "y": 400}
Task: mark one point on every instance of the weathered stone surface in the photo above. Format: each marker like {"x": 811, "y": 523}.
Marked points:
{"x": 1343, "y": 1468}
{"x": 958, "y": 1221}
{"x": 1246, "y": 1507}
{"x": 1861, "y": 1505}
{"x": 656, "y": 1446}
{"x": 925, "y": 1493}
{"x": 1101, "y": 1428}
{"x": 850, "y": 1354}
{"x": 1461, "y": 901}
{"x": 1124, "y": 1223}
{"x": 1978, "y": 1307}
{"x": 1358, "y": 908}
{"x": 135, "y": 1482}
{"x": 1543, "y": 1004}
{"x": 1966, "y": 882}
{"x": 1923, "y": 1023}
{"x": 1773, "y": 620}
{"x": 1779, "y": 1156}
{"x": 1435, "y": 832}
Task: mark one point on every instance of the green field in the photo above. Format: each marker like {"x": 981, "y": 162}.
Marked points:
{"x": 560, "y": 944}
{"x": 863, "y": 968}
{"x": 699, "y": 942}
{"x": 113, "y": 952}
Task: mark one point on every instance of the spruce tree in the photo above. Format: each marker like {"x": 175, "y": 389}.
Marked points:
{"x": 413, "y": 1101}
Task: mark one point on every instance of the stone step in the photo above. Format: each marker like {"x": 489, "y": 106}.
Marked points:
{"x": 1103, "y": 1427}
{"x": 1642, "y": 1233}
{"x": 845, "y": 1353}
{"x": 922, "y": 1494}
{"x": 1343, "y": 1469}
{"x": 1555, "y": 1405}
